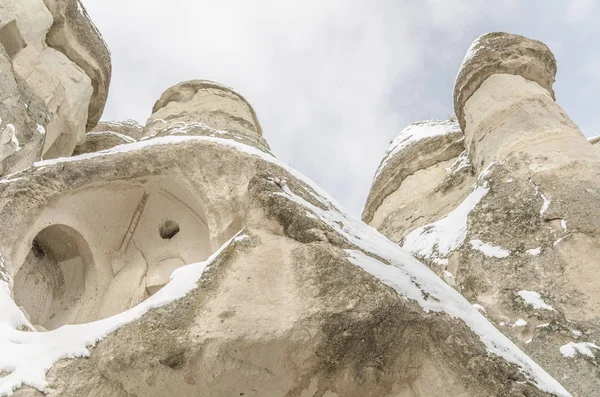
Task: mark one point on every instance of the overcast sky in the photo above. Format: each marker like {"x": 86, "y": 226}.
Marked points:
{"x": 333, "y": 81}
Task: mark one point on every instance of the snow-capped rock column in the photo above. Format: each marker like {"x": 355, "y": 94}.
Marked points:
{"x": 505, "y": 104}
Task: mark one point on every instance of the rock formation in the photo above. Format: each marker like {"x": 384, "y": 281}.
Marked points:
{"x": 511, "y": 222}
{"x": 183, "y": 258}
{"x": 57, "y": 58}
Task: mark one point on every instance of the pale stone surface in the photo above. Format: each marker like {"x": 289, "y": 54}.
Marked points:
{"x": 422, "y": 145}
{"x": 108, "y": 134}
{"x": 539, "y": 209}
{"x": 297, "y": 299}
{"x": 190, "y": 107}
{"x": 282, "y": 310}
{"x": 75, "y": 35}
{"x": 62, "y": 59}
{"x": 23, "y": 118}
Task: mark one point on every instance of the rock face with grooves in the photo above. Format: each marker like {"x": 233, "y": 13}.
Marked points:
{"x": 108, "y": 134}
{"x": 189, "y": 108}
{"x": 61, "y": 58}
{"x": 522, "y": 242}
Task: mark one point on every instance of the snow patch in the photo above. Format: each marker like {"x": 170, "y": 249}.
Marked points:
{"x": 479, "y": 307}
{"x": 40, "y": 129}
{"x": 534, "y": 251}
{"x": 520, "y": 323}
{"x": 489, "y": 249}
{"x": 440, "y": 238}
{"x": 571, "y": 349}
{"x": 534, "y": 299}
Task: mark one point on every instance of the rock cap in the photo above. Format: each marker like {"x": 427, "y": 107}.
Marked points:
{"x": 502, "y": 53}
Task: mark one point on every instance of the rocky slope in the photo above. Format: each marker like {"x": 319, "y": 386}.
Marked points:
{"x": 521, "y": 243}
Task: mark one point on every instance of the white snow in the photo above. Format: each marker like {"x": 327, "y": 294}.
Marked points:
{"x": 534, "y": 251}
{"x": 576, "y": 333}
{"x": 559, "y": 240}
{"x": 461, "y": 162}
{"x": 543, "y": 325}
{"x": 563, "y": 224}
{"x": 572, "y": 349}
{"x": 520, "y": 323}
{"x": 534, "y": 299}
{"x": 546, "y": 202}
{"x": 11, "y": 131}
{"x": 479, "y": 307}
{"x": 40, "y": 129}
{"x": 31, "y": 354}
{"x": 545, "y": 205}
{"x": 489, "y": 250}
{"x": 416, "y": 132}
{"x": 27, "y": 356}
{"x": 440, "y": 238}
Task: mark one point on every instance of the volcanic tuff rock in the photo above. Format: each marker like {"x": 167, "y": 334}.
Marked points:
{"x": 520, "y": 241}
{"x": 61, "y": 59}
{"x": 214, "y": 269}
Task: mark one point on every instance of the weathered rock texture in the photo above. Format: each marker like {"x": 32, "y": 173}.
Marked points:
{"x": 217, "y": 270}
{"x": 60, "y": 57}
{"x": 108, "y": 134}
{"x": 75, "y": 35}
{"x": 23, "y": 118}
{"x": 523, "y": 240}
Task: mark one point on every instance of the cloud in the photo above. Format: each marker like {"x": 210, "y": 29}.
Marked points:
{"x": 332, "y": 81}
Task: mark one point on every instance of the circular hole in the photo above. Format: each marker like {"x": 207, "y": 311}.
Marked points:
{"x": 168, "y": 229}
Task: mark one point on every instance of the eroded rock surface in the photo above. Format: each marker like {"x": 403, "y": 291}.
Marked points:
{"x": 217, "y": 270}
{"x": 60, "y": 57}
{"x": 108, "y": 134}
{"x": 522, "y": 242}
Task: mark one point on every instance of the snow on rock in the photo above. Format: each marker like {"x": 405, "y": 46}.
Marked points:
{"x": 534, "y": 299}
{"x": 534, "y": 251}
{"x": 479, "y": 307}
{"x": 520, "y": 323}
{"x": 27, "y": 356}
{"x": 571, "y": 349}
{"x": 489, "y": 249}
{"x": 415, "y": 281}
{"x": 438, "y": 239}
{"x": 416, "y": 132}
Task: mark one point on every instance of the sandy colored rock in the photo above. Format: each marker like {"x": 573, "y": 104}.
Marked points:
{"x": 65, "y": 64}
{"x": 522, "y": 245}
{"x": 23, "y": 118}
{"x": 425, "y": 167}
{"x": 108, "y": 134}
{"x": 294, "y": 296}
{"x": 502, "y": 53}
{"x": 202, "y": 107}
{"x": 75, "y": 35}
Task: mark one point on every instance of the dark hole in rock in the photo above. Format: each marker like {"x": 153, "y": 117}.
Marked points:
{"x": 37, "y": 249}
{"x": 168, "y": 229}
{"x": 11, "y": 40}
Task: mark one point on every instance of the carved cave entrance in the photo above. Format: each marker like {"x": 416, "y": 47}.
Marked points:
{"x": 122, "y": 244}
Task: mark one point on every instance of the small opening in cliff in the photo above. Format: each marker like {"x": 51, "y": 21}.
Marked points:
{"x": 50, "y": 284}
{"x": 168, "y": 229}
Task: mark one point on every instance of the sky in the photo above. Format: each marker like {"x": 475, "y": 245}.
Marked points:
{"x": 334, "y": 81}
